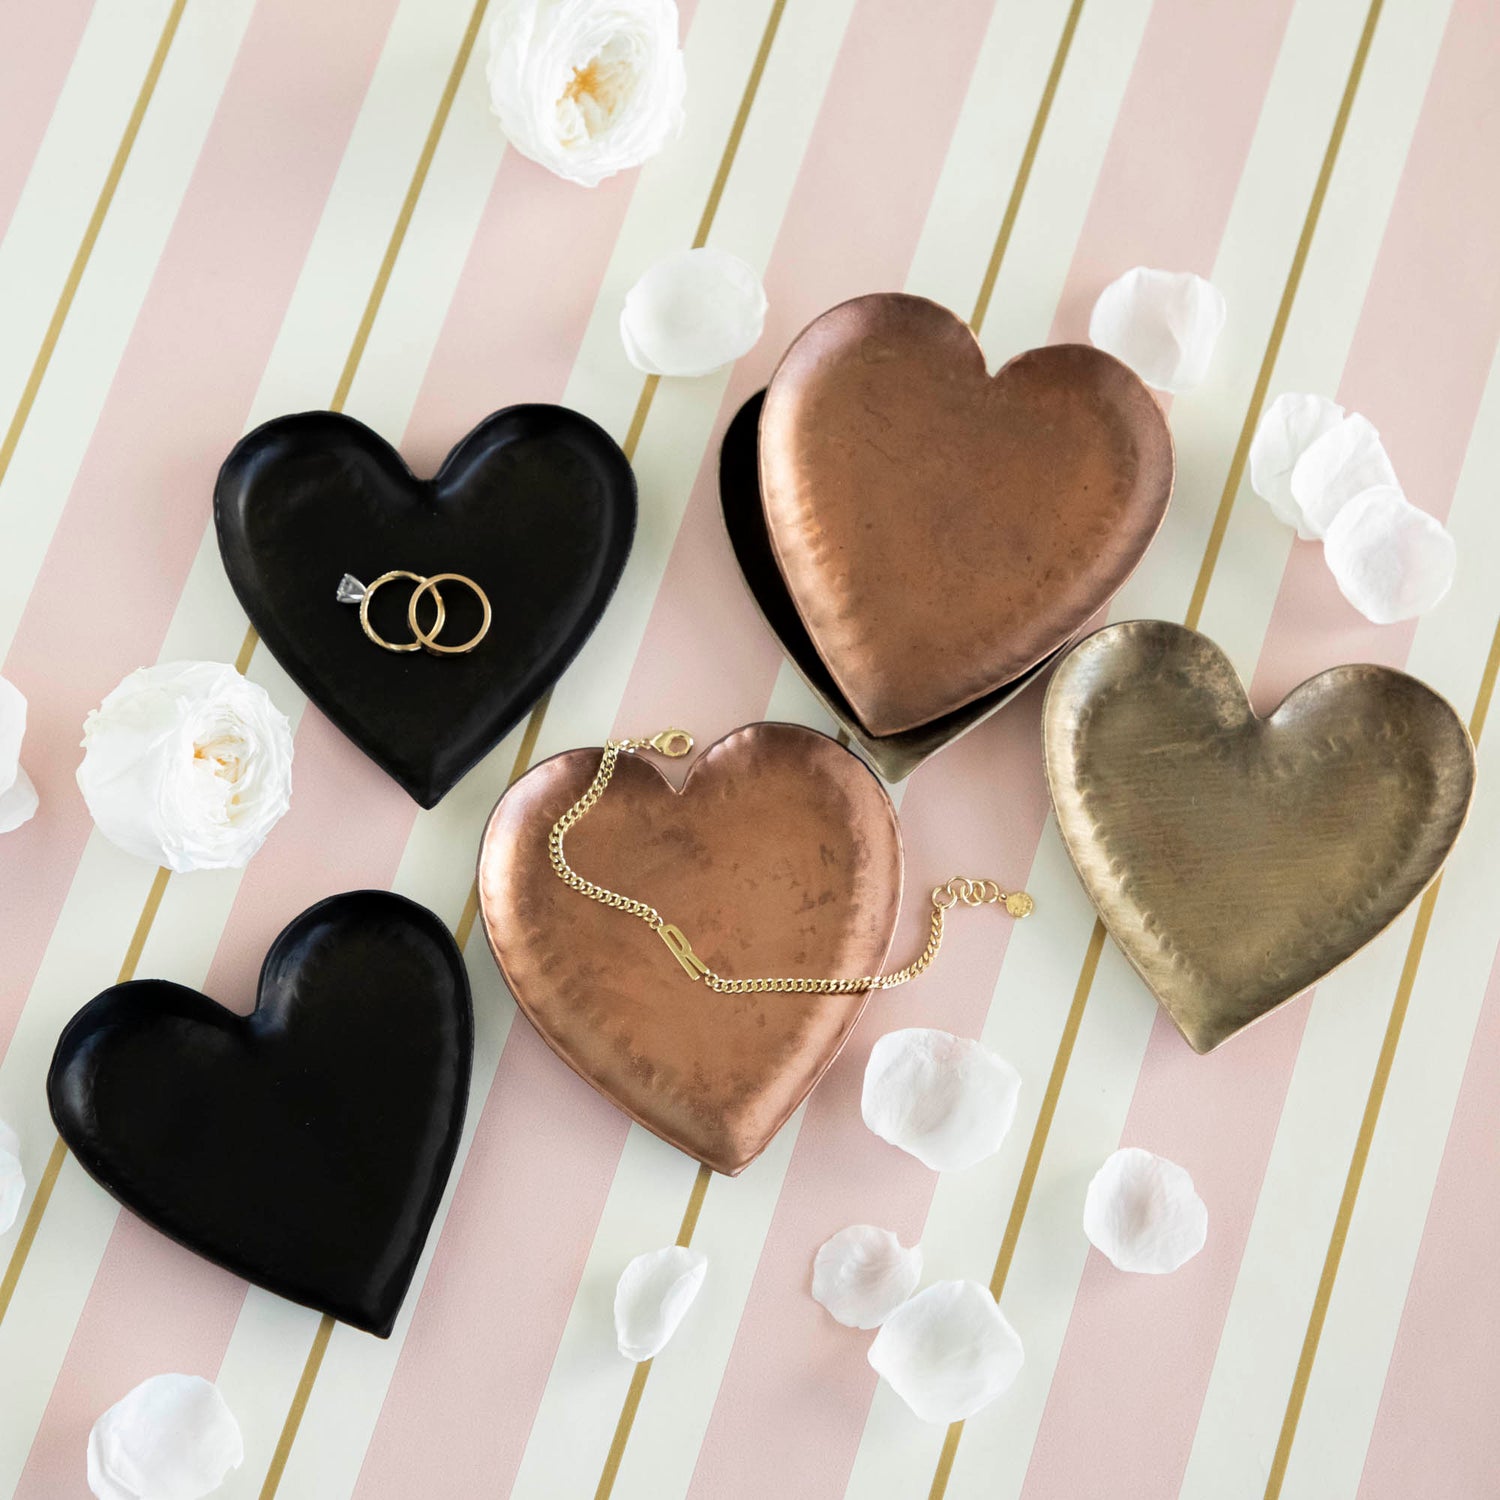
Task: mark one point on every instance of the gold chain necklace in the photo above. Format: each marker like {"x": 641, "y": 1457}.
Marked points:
{"x": 675, "y": 743}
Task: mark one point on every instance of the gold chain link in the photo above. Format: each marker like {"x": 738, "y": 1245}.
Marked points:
{"x": 675, "y": 743}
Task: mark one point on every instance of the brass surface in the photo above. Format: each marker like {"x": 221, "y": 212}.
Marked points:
{"x": 942, "y": 531}
{"x": 1235, "y": 859}
{"x": 780, "y": 853}
{"x": 894, "y": 756}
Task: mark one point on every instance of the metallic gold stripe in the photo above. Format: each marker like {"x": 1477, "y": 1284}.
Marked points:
{"x": 638, "y": 1380}
{"x": 1279, "y": 324}
{"x": 299, "y": 1405}
{"x": 1023, "y": 172}
{"x": 29, "y": 1228}
{"x": 1373, "y": 1102}
{"x": 1195, "y": 610}
{"x": 408, "y": 207}
{"x": 90, "y": 237}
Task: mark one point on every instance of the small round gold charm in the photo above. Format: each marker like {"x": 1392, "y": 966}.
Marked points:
{"x": 1019, "y": 904}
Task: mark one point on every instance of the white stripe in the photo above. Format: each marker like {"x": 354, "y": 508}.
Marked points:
{"x": 1325, "y": 1103}
{"x": 119, "y": 273}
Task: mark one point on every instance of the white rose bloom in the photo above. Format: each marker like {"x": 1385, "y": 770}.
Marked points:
{"x": 587, "y": 88}
{"x": 187, "y": 764}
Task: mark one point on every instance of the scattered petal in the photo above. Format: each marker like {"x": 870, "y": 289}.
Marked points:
{"x": 171, "y": 1438}
{"x": 1290, "y": 425}
{"x": 587, "y": 88}
{"x": 187, "y": 764}
{"x": 948, "y": 1352}
{"x": 653, "y": 1296}
{"x": 947, "y": 1100}
{"x": 1163, "y": 324}
{"x": 692, "y": 313}
{"x": 18, "y": 804}
{"x": 1390, "y": 560}
{"x": 1143, "y": 1212}
{"x": 863, "y": 1274}
{"x": 12, "y": 1179}
{"x": 1344, "y": 462}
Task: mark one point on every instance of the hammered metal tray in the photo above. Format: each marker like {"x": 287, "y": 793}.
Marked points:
{"x": 1236, "y": 859}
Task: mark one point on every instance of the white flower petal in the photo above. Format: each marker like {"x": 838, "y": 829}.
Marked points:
{"x": 171, "y": 1438}
{"x": 12, "y": 1178}
{"x": 187, "y": 764}
{"x": 19, "y": 803}
{"x": 948, "y": 1352}
{"x": 1288, "y": 427}
{"x": 1344, "y": 462}
{"x": 653, "y": 1296}
{"x": 1143, "y": 1213}
{"x": 587, "y": 88}
{"x": 12, "y": 731}
{"x": 692, "y": 313}
{"x": 1163, "y": 324}
{"x": 947, "y": 1100}
{"x": 863, "y": 1274}
{"x": 1390, "y": 560}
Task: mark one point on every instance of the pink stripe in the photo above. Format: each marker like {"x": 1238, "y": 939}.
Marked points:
{"x": 1432, "y": 305}
{"x": 455, "y": 1410}
{"x": 1435, "y": 1430}
{"x": 349, "y": 823}
{"x": 840, "y": 1173}
{"x": 120, "y": 1342}
{"x": 180, "y": 396}
{"x": 35, "y": 56}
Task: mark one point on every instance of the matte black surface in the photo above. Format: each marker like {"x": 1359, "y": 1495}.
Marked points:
{"x": 894, "y": 756}
{"x": 537, "y": 505}
{"x": 305, "y": 1146}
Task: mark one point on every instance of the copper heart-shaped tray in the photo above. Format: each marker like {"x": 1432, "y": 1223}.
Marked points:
{"x": 1236, "y": 859}
{"x": 940, "y": 530}
{"x": 779, "y": 856}
{"x": 894, "y": 756}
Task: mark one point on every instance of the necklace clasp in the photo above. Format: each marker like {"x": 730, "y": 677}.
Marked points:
{"x": 673, "y": 743}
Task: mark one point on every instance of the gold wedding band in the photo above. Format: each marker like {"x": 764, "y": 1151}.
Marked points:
{"x": 352, "y": 591}
{"x": 429, "y": 639}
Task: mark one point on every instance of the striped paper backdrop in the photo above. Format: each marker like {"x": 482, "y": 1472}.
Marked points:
{"x": 215, "y": 211}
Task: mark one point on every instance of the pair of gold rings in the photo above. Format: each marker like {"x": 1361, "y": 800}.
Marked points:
{"x": 352, "y": 591}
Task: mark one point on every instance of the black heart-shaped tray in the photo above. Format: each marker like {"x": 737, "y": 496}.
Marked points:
{"x": 305, "y": 1146}
{"x": 537, "y": 505}
{"x": 894, "y": 756}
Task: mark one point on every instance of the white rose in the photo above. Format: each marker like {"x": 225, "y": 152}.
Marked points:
{"x": 12, "y": 1178}
{"x": 187, "y": 764}
{"x": 17, "y": 795}
{"x": 587, "y": 88}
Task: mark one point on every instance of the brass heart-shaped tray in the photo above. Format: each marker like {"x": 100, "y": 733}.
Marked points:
{"x": 1236, "y": 859}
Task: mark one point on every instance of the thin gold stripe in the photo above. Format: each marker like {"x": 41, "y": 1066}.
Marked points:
{"x": 1195, "y": 609}
{"x": 408, "y": 208}
{"x": 298, "y": 1407}
{"x": 1373, "y": 1103}
{"x": 637, "y": 1388}
{"x": 90, "y": 237}
{"x": 1279, "y": 326}
{"x": 247, "y": 650}
{"x": 143, "y": 925}
{"x": 29, "y": 1228}
{"x": 1023, "y": 172}
{"x": 737, "y": 130}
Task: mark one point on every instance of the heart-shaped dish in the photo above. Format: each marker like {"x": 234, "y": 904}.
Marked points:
{"x": 305, "y": 1146}
{"x": 940, "y": 530}
{"x": 537, "y": 505}
{"x": 780, "y": 856}
{"x": 894, "y": 756}
{"x": 1236, "y": 859}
